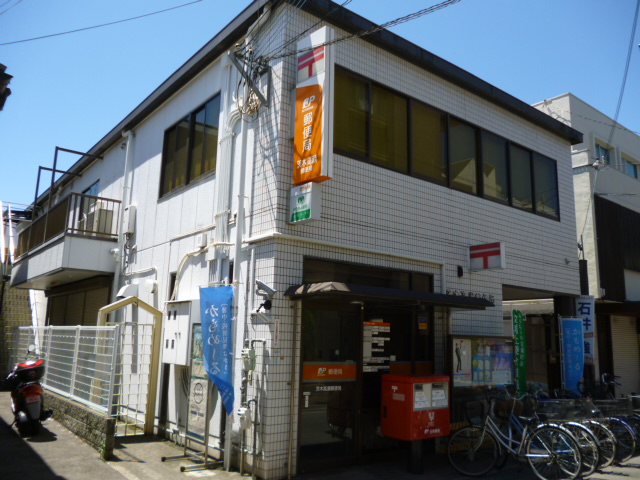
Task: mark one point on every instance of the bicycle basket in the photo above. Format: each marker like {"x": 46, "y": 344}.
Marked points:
{"x": 565, "y": 409}
{"x": 611, "y": 408}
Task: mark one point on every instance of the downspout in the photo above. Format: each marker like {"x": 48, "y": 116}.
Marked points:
{"x": 126, "y": 200}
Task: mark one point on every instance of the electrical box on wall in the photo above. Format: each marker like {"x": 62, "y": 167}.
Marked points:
{"x": 179, "y": 317}
{"x": 129, "y": 220}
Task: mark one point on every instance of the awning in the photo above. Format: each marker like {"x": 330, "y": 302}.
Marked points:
{"x": 365, "y": 292}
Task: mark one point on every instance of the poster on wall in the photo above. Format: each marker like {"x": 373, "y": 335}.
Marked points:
{"x": 198, "y": 387}
{"x": 482, "y": 361}
{"x": 375, "y": 346}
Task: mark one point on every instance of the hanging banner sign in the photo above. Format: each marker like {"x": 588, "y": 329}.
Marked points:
{"x": 313, "y": 134}
{"x": 520, "y": 347}
{"x": 487, "y": 256}
{"x": 586, "y": 310}
{"x": 216, "y": 313}
{"x": 573, "y": 353}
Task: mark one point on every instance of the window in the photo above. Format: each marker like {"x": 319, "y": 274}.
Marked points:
{"x": 463, "y": 156}
{"x": 603, "y": 154}
{"x": 546, "y": 186}
{"x": 630, "y": 167}
{"x": 389, "y": 129}
{"x": 521, "y": 188}
{"x": 351, "y": 112}
{"x": 428, "y": 142}
{"x": 375, "y": 124}
{"x": 494, "y": 167}
{"x": 190, "y": 147}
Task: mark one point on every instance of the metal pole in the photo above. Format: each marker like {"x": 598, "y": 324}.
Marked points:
{"x": 75, "y": 362}
{"x": 117, "y": 338}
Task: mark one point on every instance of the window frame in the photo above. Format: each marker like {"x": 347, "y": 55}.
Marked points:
{"x": 190, "y": 118}
{"x": 480, "y": 133}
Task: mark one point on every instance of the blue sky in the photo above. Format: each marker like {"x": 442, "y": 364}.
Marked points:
{"x": 70, "y": 90}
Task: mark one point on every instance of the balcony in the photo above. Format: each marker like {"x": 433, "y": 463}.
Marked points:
{"x": 69, "y": 243}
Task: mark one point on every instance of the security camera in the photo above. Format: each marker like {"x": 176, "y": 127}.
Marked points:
{"x": 265, "y": 290}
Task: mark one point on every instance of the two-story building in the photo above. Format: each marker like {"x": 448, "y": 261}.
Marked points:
{"x": 368, "y": 202}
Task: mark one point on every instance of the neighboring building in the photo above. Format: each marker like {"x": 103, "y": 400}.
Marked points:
{"x": 606, "y": 173}
{"x": 427, "y": 163}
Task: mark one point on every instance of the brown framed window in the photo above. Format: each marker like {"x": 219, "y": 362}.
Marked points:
{"x": 190, "y": 147}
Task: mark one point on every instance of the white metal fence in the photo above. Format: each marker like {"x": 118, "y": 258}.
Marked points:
{"x": 104, "y": 368}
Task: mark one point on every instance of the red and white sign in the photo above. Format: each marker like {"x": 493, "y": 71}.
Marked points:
{"x": 313, "y": 131}
{"x": 487, "y": 256}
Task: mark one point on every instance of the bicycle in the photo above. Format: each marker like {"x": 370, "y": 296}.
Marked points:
{"x": 552, "y": 452}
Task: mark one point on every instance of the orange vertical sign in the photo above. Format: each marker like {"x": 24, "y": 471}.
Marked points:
{"x": 308, "y": 152}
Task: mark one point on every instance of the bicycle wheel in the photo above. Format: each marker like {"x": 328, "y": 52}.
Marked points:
{"x": 589, "y": 446}
{"x": 553, "y": 454}
{"x": 606, "y": 442}
{"x": 473, "y": 451}
{"x": 625, "y": 438}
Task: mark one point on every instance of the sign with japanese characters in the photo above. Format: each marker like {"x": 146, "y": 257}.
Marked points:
{"x": 216, "y": 313}
{"x": 520, "y": 346}
{"x": 313, "y": 135}
{"x": 305, "y": 203}
{"x": 586, "y": 310}
{"x": 572, "y": 352}
{"x": 487, "y": 256}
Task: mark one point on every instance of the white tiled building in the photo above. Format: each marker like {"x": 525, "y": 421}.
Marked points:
{"x": 606, "y": 169}
{"x": 427, "y": 161}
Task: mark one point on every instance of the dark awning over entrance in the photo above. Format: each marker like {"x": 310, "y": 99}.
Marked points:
{"x": 365, "y": 292}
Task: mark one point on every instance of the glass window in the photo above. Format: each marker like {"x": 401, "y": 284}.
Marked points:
{"x": 429, "y": 134}
{"x": 546, "y": 186}
{"x": 521, "y": 193}
{"x": 389, "y": 140}
{"x": 494, "y": 167}
{"x": 350, "y": 115}
{"x": 462, "y": 157}
{"x": 190, "y": 147}
{"x": 603, "y": 154}
{"x": 631, "y": 168}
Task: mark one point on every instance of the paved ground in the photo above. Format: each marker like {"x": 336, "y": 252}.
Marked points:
{"x": 57, "y": 454}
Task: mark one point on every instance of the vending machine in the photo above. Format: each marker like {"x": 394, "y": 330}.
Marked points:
{"x": 415, "y": 408}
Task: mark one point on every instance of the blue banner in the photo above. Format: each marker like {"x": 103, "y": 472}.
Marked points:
{"x": 216, "y": 312}
{"x": 573, "y": 351}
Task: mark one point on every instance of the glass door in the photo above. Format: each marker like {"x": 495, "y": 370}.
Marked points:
{"x": 328, "y": 415}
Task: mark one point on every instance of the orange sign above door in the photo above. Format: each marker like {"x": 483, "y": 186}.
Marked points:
{"x": 329, "y": 371}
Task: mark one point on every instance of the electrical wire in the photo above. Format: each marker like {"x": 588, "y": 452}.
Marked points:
{"x": 101, "y": 25}
{"x": 377, "y": 28}
{"x": 9, "y": 8}
{"x": 626, "y": 69}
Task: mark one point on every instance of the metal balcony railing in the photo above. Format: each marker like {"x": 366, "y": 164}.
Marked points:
{"x": 76, "y": 214}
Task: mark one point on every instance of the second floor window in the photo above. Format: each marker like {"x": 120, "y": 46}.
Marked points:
{"x": 603, "y": 154}
{"x": 190, "y": 147}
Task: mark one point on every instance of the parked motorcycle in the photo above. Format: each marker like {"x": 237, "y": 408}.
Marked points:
{"x": 27, "y": 402}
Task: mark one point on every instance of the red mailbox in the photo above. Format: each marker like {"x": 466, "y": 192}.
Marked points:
{"x": 414, "y": 408}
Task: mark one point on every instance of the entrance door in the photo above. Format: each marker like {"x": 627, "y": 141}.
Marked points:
{"x": 346, "y": 348}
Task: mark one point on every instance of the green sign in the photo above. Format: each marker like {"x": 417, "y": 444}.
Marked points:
{"x": 302, "y": 209}
{"x": 520, "y": 346}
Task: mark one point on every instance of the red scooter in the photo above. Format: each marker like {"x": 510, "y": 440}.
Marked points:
{"x": 27, "y": 394}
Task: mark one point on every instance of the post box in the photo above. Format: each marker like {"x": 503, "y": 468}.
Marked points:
{"x": 415, "y": 408}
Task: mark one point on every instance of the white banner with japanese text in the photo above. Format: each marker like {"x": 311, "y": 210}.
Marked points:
{"x": 586, "y": 310}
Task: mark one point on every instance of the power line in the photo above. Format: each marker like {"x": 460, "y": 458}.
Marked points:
{"x": 9, "y": 8}
{"x": 101, "y": 25}
{"x": 377, "y": 28}
{"x": 626, "y": 68}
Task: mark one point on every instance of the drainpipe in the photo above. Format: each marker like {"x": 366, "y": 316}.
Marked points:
{"x": 127, "y": 189}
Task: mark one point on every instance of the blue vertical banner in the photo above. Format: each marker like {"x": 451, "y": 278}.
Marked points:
{"x": 573, "y": 352}
{"x": 216, "y": 312}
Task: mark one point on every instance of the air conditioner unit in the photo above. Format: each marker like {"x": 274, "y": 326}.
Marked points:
{"x": 97, "y": 221}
